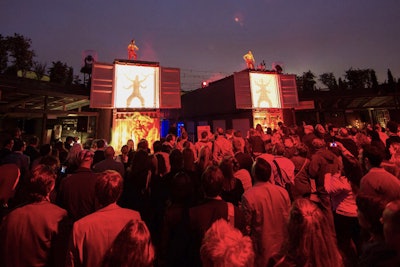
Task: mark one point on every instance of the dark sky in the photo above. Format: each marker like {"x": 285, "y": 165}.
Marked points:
{"x": 206, "y": 37}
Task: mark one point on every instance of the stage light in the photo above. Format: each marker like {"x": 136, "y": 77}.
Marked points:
{"x": 204, "y": 84}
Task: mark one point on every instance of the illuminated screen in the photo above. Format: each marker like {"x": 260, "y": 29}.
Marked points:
{"x": 135, "y": 126}
{"x": 264, "y": 90}
{"x": 136, "y": 86}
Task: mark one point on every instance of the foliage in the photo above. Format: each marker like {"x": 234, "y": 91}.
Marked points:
{"x": 358, "y": 79}
{"x": 39, "y": 69}
{"x": 19, "y": 49}
{"x": 61, "y": 73}
{"x": 329, "y": 80}
{"x": 308, "y": 79}
{"x": 3, "y": 54}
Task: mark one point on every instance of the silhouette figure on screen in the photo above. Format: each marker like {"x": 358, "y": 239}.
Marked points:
{"x": 136, "y": 85}
{"x": 263, "y": 93}
{"x": 132, "y": 48}
{"x": 249, "y": 58}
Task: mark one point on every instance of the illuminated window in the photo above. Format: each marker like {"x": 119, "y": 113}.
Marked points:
{"x": 264, "y": 90}
{"x": 136, "y": 86}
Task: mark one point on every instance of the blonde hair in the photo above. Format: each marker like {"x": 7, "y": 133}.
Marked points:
{"x": 224, "y": 245}
{"x": 309, "y": 239}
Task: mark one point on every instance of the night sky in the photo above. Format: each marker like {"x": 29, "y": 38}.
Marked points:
{"x": 206, "y": 39}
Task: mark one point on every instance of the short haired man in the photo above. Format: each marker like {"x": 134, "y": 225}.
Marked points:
{"x": 266, "y": 209}
{"x": 213, "y": 208}
{"x": 93, "y": 235}
{"x": 109, "y": 163}
{"x": 31, "y": 235}
{"x": 378, "y": 181}
{"x": 77, "y": 191}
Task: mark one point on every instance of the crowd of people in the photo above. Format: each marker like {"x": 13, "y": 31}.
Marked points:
{"x": 310, "y": 195}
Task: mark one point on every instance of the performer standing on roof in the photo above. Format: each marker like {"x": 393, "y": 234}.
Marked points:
{"x": 132, "y": 48}
{"x": 249, "y": 60}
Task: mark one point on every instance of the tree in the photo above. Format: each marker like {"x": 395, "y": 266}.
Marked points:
{"x": 61, "y": 73}
{"x": 342, "y": 84}
{"x": 39, "y": 69}
{"x": 390, "y": 77}
{"x": 329, "y": 80}
{"x": 374, "y": 81}
{"x": 358, "y": 79}
{"x": 308, "y": 79}
{"x": 19, "y": 49}
{"x": 3, "y": 54}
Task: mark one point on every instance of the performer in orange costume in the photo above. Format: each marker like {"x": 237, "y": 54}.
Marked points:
{"x": 132, "y": 48}
{"x": 249, "y": 60}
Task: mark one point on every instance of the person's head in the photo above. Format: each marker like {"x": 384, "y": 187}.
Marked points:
{"x": 8, "y": 143}
{"x": 85, "y": 158}
{"x": 176, "y": 159}
{"x": 302, "y": 150}
{"x": 182, "y": 188}
{"x": 51, "y": 161}
{"x": 343, "y": 132}
{"x": 124, "y": 149}
{"x": 237, "y": 145}
{"x": 278, "y": 149}
{"x": 261, "y": 170}
{"x": 205, "y": 157}
{"x": 204, "y": 135}
{"x": 131, "y": 247}
{"x": 33, "y": 141}
{"x": 157, "y": 146}
{"x": 392, "y": 126}
{"x": 229, "y": 166}
{"x": 17, "y": 133}
{"x": 45, "y": 150}
{"x": 130, "y": 144}
{"x": 41, "y": 182}
{"x": 212, "y": 181}
{"x": 391, "y": 222}
{"x": 109, "y": 152}
{"x": 394, "y": 148}
{"x": 369, "y": 212}
{"x": 224, "y": 245}
{"x": 184, "y": 135}
{"x": 320, "y": 130}
{"x": 143, "y": 145}
{"x": 372, "y": 156}
{"x": 69, "y": 140}
{"x": 308, "y": 129}
{"x": 109, "y": 187}
{"x": 318, "y": 143}
{"x": 170, "y": 138}
{"x": 309, "y": 237}
{"x": 100, "y": 144}
{"x": 220, "y": 131}
{"x": 19, "y": 145}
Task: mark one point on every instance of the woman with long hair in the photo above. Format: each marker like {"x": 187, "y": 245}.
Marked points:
{"x": 232, "y": 188}
{"x": 309, "y": 242}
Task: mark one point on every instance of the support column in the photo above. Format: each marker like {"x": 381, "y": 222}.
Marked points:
{"x": 44, "y": 120}
{"x": 104, "y": 124}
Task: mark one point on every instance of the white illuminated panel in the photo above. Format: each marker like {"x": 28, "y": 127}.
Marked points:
{"x": 264, "y": 90}
{"x": 136, "y": 86}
